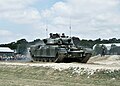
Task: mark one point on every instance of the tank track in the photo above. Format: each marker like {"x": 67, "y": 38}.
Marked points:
{"x": 58, "y": 59}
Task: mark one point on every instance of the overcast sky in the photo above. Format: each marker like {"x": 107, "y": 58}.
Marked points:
{"x": 90, "y": 19}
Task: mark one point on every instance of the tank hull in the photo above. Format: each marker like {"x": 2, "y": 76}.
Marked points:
{"x": 63, "y": 57}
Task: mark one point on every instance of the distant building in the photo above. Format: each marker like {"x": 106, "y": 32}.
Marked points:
{"x": 5, "y": 52}
{"x": 111, "y": 49}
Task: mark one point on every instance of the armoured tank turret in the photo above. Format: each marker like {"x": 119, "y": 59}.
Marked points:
{"x": 58, "y": 48}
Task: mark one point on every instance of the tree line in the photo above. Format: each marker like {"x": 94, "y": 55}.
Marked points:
{"x": 91, "y": 43}
{"x": 21, "y": 45}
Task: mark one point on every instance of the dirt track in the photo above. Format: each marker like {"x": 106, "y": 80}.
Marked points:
{"x": 99, "y": 71}
{"x": 96, "y": 62}
{"x": 110, "y": 60}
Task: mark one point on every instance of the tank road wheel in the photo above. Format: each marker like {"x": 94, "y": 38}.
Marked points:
{"x": 52, "y": 60}
{"x": 79, "y": 60}
{"x": 49, "y": 60}
{"x": 37, "y": 59}
{"x": 87, "y": 57}
{"x": 45, "y": 60}
{"x": 42, "y": 60}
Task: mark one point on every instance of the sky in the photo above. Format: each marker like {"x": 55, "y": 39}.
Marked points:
{"x": 29, "y": 19}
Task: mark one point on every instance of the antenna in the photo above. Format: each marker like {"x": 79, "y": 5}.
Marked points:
{"x": 46, "y": 31}
{"x": 46, "y": 28}
{"x": 70, "y": 27}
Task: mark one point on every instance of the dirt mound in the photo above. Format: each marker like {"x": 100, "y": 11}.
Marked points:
{"x": 107, "y": 60}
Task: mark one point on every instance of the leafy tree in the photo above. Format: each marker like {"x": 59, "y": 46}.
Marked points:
{"x": 22, "y": 46}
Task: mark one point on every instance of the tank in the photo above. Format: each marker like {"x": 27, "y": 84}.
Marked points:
{"x": 58, "y": 48}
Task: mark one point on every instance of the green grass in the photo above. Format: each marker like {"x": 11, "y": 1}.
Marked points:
{"x": 40, "y": 76}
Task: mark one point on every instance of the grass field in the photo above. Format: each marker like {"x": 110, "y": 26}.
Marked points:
{"x": 43, "y": 76}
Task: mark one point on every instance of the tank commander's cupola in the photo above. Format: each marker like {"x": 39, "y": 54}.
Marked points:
{"x": 53, "y": 36}
{"x": 63, "y": 35}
